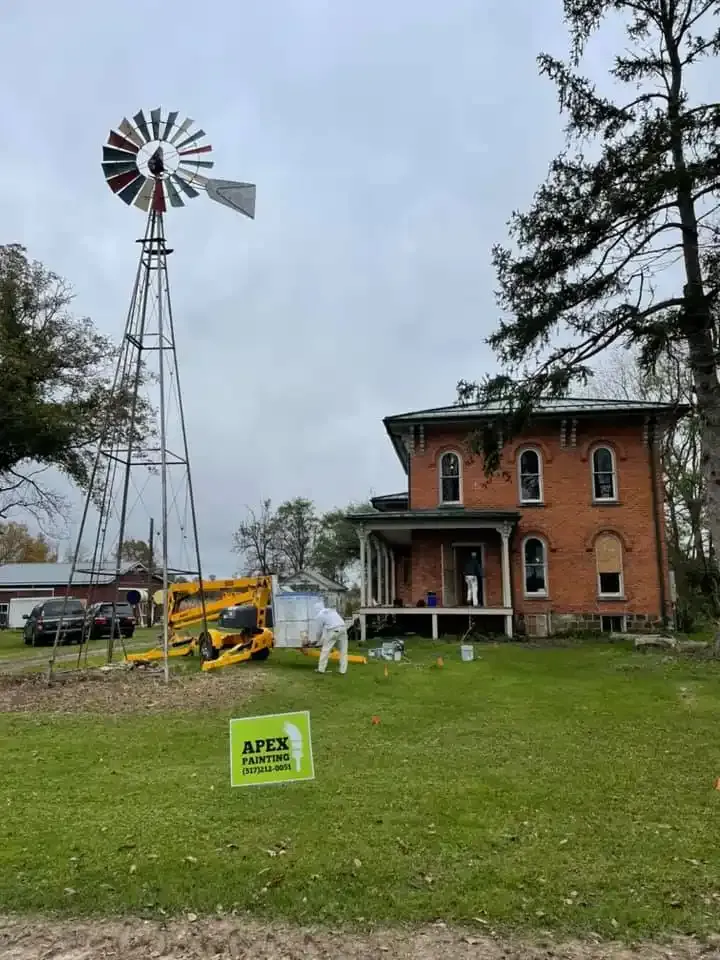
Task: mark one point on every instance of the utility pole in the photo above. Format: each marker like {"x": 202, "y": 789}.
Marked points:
{"x": 151, "y": 566}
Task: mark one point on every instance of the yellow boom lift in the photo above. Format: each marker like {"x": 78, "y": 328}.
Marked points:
{"x": 239, "y": 618}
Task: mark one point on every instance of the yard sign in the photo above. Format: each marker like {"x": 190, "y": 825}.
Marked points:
{"x": 272, "y": 749}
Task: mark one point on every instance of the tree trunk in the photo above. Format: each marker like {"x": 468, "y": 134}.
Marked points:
{"x": 697, "y": 321}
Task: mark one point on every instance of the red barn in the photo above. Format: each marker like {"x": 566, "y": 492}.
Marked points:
{"x": 42, "y": 580}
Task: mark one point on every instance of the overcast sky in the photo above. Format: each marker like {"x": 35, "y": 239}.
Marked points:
{"x": 389, "y": 140}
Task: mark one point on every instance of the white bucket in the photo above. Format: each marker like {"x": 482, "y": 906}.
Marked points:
{"x": 467, "y": 652}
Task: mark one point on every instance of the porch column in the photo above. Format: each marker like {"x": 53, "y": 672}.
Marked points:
{"x": 393, "y": 591}
{"x": 363, "y": 567}
{"x": 386, "y": 552}
{"x": 378, "y": 558}
{"x": 506, "y": 588}
{"x": 368, "y": 572}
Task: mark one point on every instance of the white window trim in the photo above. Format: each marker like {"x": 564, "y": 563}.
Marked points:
{"x": 441, "y": 501}
{"x": 541, "y": 478}
{"x": 541, "y": 594}
{"x": 613, "y": 460}
{"x": 612, "y": 596}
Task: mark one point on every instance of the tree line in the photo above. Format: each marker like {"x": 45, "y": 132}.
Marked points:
{"x": 294, "y": 536}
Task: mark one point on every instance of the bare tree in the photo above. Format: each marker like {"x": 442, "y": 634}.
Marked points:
{"x": 297, "y": 525}
{"x": 256, "y": 541}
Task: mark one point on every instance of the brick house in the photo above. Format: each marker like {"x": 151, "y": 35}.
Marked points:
{"x": 570, "y": 533}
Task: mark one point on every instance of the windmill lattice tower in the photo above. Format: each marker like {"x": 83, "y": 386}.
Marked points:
{"x": 150, "y": 164}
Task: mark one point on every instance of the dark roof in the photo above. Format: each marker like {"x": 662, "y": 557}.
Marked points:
{"x": 389, "y": 500}
{"x": 568, "y": 406}
{"x": 448, "y": 513}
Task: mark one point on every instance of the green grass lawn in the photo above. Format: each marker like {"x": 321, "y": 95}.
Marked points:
{"x": 561, "y": 789}
{"x": 12, "y": 646}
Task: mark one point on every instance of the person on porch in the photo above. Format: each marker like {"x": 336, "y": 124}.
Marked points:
{"x": 473, "y": 574}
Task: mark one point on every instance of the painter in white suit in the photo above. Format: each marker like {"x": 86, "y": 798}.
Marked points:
{"x": 330, "y": 630}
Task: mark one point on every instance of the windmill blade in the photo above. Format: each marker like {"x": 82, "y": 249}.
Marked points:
{"x": 121, "y": 180}
{"x": 145, "y": 195}
{"x": 130, "y": 132}
{"x": 115, "y": 140}
{"x": 132, "y": 189}
{"x": 175, "y": 199}
{"x": 191, "y": 139}
{"x": 113, "y": 169}
{"x": 187, "y": 153}
{"x": 185, "y": 125}
{"x": 185, "y": 187}
{"x": 158, "y": 197}
{"x": 141, "y": 122}
{"x": 237, "y": 196}
{"x": 169, "y": 124}
{"x": 192, "y": 164}
{"x": 111, "y": 154}
{"x": 196, "y": 179}
{"x": 155, "y": 121}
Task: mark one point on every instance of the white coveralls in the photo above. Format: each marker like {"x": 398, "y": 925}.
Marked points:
{"x": 472, "y": 589}
{"x": 330, "y": 628}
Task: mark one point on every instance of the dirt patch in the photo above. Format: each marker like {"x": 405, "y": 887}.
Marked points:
{"x": 126, "y": 691}
{"x": 220, "y": 938}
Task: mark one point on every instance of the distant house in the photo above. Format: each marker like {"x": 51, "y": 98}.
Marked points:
{"x": 43, "y": 580}
{"x": 310, "y": 581}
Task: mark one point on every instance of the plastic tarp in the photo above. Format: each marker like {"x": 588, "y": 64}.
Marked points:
{"x": 293, "y": 616}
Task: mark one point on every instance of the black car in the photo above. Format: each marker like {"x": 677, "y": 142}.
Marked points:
{"x": 100, "y": 617}
{"x": 42, "y": 622}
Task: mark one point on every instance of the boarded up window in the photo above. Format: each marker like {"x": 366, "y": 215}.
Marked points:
{"x": 608, "y": 555}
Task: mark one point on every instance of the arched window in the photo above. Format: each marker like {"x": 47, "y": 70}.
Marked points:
{"x": 535, "y": 567}
{"x": 609, "y": 560}
{"x": 603, "y": 473}
{"x": 450, "y": 489}
{"x": 530, "y": 469}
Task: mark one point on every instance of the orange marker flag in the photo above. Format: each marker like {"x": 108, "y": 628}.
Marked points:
{"x": 439, "y": 661}
{"x": 386, "y": 671}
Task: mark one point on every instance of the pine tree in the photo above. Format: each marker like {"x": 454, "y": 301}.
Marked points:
{"x": 621, "y": 243}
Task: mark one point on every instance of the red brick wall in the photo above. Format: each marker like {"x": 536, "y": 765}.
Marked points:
{"x": 568, "y": 520}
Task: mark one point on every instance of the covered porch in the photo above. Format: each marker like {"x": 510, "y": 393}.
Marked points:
{"x": 411, "y": 566}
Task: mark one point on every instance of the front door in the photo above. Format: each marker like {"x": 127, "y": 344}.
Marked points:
{"x": 462, "y": 555}
{"x": 449, "y": 576}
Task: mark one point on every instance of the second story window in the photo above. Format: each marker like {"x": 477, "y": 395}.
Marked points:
{"x": 450, "y": 491}
{"x": 530, "y": 469}
{"x": 603, "y": 474}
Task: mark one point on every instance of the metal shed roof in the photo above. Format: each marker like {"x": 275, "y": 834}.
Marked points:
{"x": 55, "y": 574}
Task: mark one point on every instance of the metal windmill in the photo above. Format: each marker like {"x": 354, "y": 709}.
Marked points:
{"x": 149, "y": 165}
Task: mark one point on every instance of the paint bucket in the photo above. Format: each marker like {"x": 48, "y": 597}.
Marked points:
{"x": 467, "y": 652}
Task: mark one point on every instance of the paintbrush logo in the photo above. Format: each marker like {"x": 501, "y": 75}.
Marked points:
{"x": 296, "y": 744}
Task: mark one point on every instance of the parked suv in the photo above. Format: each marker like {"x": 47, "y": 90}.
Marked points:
{"x": 99, "y": 620}
{"x": 42, "y": 622}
